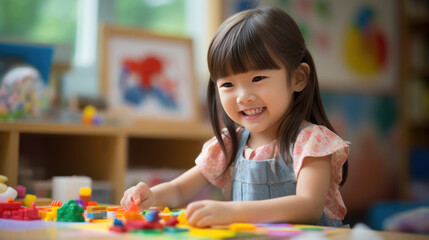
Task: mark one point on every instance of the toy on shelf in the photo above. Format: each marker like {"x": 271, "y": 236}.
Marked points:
{"x": 90, "y": 116}
{"x": 23, "y": 93}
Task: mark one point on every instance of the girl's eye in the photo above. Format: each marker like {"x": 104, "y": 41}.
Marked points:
{"x": 258, "y": 78}
{"x": 227, "y": 85}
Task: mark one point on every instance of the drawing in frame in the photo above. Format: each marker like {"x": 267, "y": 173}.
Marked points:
{"x": 148, "y": 75}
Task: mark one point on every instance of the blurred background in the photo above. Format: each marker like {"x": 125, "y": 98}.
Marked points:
{"x": 372, "y": 60}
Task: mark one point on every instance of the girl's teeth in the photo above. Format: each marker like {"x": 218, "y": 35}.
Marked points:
{"x": 253, "y": 111}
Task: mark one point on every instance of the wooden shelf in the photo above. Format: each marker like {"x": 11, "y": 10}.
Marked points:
{"x": 100, "y": 152}
{"x": 414, "y": 133}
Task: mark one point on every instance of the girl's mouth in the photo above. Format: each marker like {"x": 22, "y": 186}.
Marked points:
{"x": 253, "y": 111}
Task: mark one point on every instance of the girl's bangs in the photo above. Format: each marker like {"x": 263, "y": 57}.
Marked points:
{"x": 241, "y": 50}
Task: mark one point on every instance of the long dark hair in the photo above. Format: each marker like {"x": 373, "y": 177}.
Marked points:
{"x": 260, "y": 39}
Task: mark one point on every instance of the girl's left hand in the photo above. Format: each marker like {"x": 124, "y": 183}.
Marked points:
{"x": 207, "y": 213}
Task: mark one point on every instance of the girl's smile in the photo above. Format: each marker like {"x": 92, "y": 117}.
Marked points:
{"x": 253, "y": 112}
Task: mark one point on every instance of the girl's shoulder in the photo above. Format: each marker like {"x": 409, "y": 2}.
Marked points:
{"x": 317, "y": 140}
{"x": 310, "y": 130}
{"x": 212, "y": 161}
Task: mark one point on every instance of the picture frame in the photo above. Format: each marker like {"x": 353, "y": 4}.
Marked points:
{"x": 148, "y": 77}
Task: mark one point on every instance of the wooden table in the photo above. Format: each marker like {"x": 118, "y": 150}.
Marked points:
{"x": 67, "y": 233}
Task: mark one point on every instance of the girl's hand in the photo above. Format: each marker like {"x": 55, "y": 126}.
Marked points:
{"x": 140, "y": 195}
{"x": 208, "y": 213}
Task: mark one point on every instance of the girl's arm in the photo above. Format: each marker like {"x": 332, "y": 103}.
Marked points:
{"x": 171, "y": 194}
{"x": 180, "y": 190}
{"x": 304, "y": 207}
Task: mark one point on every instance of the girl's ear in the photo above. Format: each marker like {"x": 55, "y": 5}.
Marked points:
{"x": 300, "y": 79}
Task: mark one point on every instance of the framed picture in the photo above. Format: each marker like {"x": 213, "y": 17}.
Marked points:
{"x": 147, "y": 75}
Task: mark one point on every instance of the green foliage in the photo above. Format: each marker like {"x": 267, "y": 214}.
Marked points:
{"x": 162, "y": 16}
{"x": 44, "y": 21}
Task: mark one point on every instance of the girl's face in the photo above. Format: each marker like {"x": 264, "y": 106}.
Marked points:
{"x": 256, "y": 100}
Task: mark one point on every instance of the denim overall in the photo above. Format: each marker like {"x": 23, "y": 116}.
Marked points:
{"x": 266, "y": 179}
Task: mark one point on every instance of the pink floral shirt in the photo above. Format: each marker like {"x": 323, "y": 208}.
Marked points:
{"x": 312, "y": 141}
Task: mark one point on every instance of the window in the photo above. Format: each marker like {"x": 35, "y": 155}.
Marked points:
{"x": 166, "y": 16}
{"x": 41, "y": 21}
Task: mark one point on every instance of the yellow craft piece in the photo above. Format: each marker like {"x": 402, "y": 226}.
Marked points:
{"x": 85, "y": 191}
{"x": 213, "y": 233}
{"x": 241, "y": 226}
{"x": 182, "y": 219}
{"x": 120, "y": 213}
{"x": 54, "y": 212}
{"x": 29, "y": 199}
{"x": 166, "y": 210}
{"x": 49, "y": 216}
{"x": 165, "y": 216}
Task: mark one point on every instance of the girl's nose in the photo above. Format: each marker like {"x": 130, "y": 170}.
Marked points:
{"x": 245, "y": 96}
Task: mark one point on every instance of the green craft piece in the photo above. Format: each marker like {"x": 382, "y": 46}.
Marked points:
{"x": 70, "y": 212}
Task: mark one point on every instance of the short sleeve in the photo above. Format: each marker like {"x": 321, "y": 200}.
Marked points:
{"x": 212, "y": 162}
{"x": 319, "y": 141}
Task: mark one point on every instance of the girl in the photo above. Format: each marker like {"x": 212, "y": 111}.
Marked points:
{"x": 278, "y": 158}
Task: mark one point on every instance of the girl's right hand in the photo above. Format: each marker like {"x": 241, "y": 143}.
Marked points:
{"x": 140, "y": 194}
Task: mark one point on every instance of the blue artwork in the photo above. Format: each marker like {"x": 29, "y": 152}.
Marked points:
{"x": 143, "y": 78}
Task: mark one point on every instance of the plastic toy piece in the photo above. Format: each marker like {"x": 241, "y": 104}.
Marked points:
{"x": 14, "y": 210}
{"x": 135, "y": 224}
{"x": 152, "y": 216}
{"x": 52, "y": 215}
{"x": 29, "y": 200}
{"x": 175, "y": 229}
{"x": 166, "y": 214}
{"x": 241, "y": 226}
{"x": 96, "y": 212}
{"x": 182, "y": 219}
{"x": 150, "y": 225}
{"x": 213, "y": 233}
{"x": 166, "y": 210}
{"x": 6, "y": 208}
{"x": 96, "y": 208}
{"x": 21, "y": 191}
{"x": 96, "y": 215}
{"x": 120, "y": 213}
{"x": 85, "y": 191}
{"x": 90, "y": 116}
{"x": 133, "y": 213}
{"x": 85, "y": 196}
{"x": 172, "y": 221}
{"x": 31, "y": 213}
{"x": 112, "y": 212}
{"x": 70, "y": 212}
{"x": 9, "y": 193}
{"x": 3, "y": 186}
{"x": 56, "y": 204}
{"x": 118, "y": 226}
